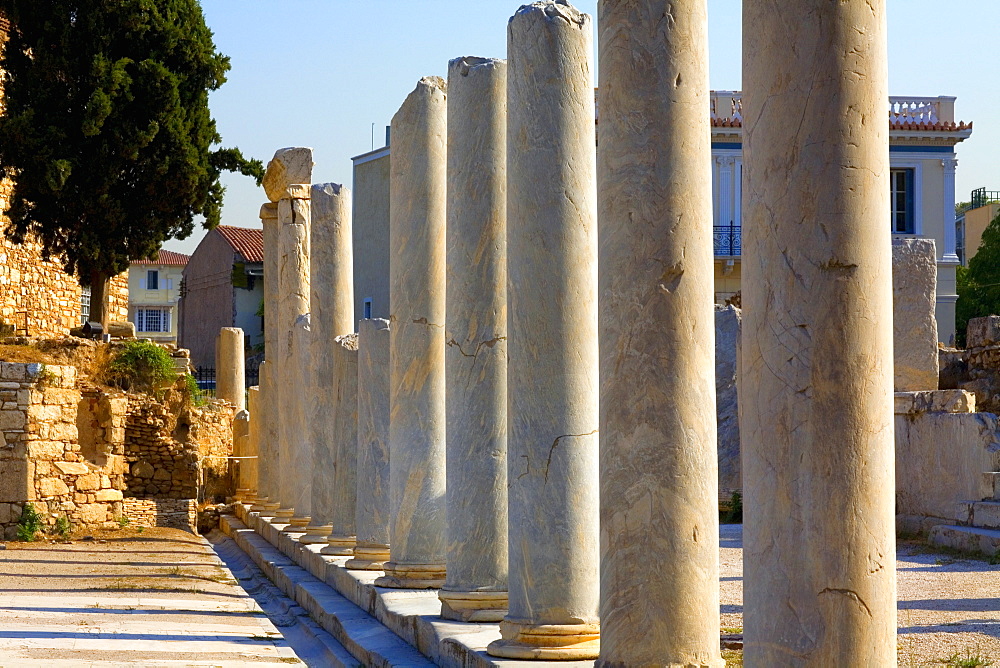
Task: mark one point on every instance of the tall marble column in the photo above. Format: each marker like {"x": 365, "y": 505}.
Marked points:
{"x": 552, "y": 377}
{"x": 230, "y": 367}
{"x": 659, "y": 470}
{"x": 342, "y": 478}
{"x": 816, "y": 394}
{"x": 331, "y": 311}
{"x": 475, "y": 588}
{"x": 248, "y": 465}
{"x": 417, "y": 188}
{"x": 268, "y": 462}
{"x": 301, "y": 380}
{"x": 372, "y": 508}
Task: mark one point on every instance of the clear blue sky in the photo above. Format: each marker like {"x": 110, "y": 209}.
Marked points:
{"x": 319, "y": 72}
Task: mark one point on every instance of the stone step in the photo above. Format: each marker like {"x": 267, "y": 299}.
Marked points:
{"x": 992, "y": 479}
{"x": 982, "y": 514}
{"x": 966, "y": 539}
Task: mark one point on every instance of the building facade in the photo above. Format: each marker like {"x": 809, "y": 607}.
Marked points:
{"x": 371, "y": 233}
{"x": 222, "y": 286}
{"x": 982, "y": 207}
{"x": 154, "y": 288}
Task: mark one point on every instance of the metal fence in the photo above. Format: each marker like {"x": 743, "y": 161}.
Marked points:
{"x": 726, "y": 240}
{"x": 205, "y": 377}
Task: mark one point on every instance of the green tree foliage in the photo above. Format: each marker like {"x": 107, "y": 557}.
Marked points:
{"x": 979, "y": 283}
{"x": 107, "y": 132}
{"x": 140, "y": 365}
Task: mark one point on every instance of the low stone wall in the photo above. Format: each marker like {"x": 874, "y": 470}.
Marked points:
{"x": 41, "y": 459}
{"x": 169, "y": 513}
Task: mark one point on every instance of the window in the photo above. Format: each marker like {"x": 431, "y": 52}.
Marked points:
{"x": 84, "y": 304}
{"x": 901, "y": 187}
{"x": 152, "y": 280}
{"x": 368, "y": 309}
{"x": 168, "y": 284}
{"x": 152, "y": 320}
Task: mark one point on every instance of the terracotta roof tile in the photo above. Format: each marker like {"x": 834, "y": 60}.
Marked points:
{"x": 166, "y": 257}
{"x": 246, "y": 241}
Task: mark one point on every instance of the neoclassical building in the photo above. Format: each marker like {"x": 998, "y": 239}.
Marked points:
{"x": 923, "y": 134}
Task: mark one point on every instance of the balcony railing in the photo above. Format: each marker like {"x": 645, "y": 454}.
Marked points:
{"x": 728, "y": 104}
{"x": 982, "y": 197}
{"x": 726, "y": 240}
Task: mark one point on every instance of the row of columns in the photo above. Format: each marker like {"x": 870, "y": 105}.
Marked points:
{"x": 555, "y": 470}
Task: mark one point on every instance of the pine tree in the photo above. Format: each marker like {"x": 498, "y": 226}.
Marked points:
{"x": 106, "y": 131}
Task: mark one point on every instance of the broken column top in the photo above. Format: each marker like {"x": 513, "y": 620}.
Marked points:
{"x": 554, "y": 9}
{"x": 324, "y": 197}
{"x": 289, "y": 166}
{"x": 466, "y": 64}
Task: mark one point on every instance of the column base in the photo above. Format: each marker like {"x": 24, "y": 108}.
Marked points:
{"x": 315, "y": 534}
{"x": 296, "y": 524}
{"x": 549, "y": 642}
{"x": 368, "y": 558}
{"x": 473, "y": 606}
{"x": 269, "y": 509}
{"x": 339, "y": 546}
{"x": 242, "y": 495}
{"x": 412, "y": 576}
{"x": 283, "y": 515}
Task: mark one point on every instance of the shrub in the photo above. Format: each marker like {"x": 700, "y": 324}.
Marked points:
{"x": 63, "y": 527}
{"x": 735, "y": 513}
{"x": 140, "y": 365}
{"x": 194, "y": 392}
{"x": 29, "y": 524}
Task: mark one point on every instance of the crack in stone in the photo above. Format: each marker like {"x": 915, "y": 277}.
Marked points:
{"x": 553, "y": 447}
{"x": 850, "y": 593}
{"x": 424, "y": 321}
{"x": 490, "y": 343}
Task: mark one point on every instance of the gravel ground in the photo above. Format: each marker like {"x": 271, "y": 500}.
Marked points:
{"x": 947, "y": 604}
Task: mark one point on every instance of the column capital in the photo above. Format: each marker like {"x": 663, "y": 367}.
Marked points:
{"x": 269, "y": 211}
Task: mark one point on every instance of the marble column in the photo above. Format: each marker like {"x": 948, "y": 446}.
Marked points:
{"x": 552, "y": 377}
{"x": 475, "y": 588}
{"x": 331, "y": 314}
{"x": 342, "y": 478}
{"x": 297, "y": 477}
{"x": 371, "y": 515}
{"x": 659, "y": 470}
{"x": 816, "y": 394}
{"x": 248, "y": 465}
{"x": 268, "y": 462}
{"x": 241, "y": 433}
{"x": 230, "y": 367}
{"x": 417, "y": 203}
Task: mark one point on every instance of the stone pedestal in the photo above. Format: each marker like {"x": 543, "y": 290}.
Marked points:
{"x": 417, "y": 204}
{"x": 659, "y": 475}
{"x": 552, "y": 377}
{"x": 372, "y": 503}
{"x": 331, "y": 314}
{"x": 230, "y": 367}
{"x": 816, "y": 402}
{"x": 267, "y": 468}
{"x": 241, "y": 434}
{"x": 343, "y": 478}
{"x": 475, "y": 588}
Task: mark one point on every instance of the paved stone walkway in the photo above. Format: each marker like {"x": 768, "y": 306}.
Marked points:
{"x": 160, "y": 598}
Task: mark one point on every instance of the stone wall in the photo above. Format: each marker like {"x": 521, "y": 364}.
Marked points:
{"x": 41, "y": 458}
{"x": 170, "y": 513}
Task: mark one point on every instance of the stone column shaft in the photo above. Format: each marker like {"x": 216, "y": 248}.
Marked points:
{"x": 249, "y": 466}
{"x": 372, "y": 509}
{"x": 659, "y": 474}
{"x": 241, "y": 434}
{"x": 230, "y": 367}
{"x": 816, "y": 394}
{"x": 331, "y": 315}
{"x": 342, "y": 478}
{"x": 476, "y": 358}
{"x": 417, "y": 304}
{"x": 268, "y": 462}
{"x": 295, "y": 371}
{"x": 552, "y": 377}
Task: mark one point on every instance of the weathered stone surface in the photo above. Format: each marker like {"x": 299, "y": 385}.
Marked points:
{"x": 727, "y": 337}
{"x": 552, "y": 374}
{"x": 936, "y": 401}
{"x": 342, "y": 476}
{"x": 816, "y": 375}
{"x": 52, "y": 487}
{"x": 143, "y": 470}
{"x": 268, "y": 464}
{"x": 417, "y": 188}
{"x": 72, "y": 468}
{"x": 93, "y": 513}
{"x": 107, "y": 495}
{"x": 982, "y": 332}
{"x": 297, "y": 479}
{"x": 289, "y": 166}
{"x": 656, "y": 339}
{"x": 331, "y": 315}
{"x": 90, "y": 481}
{"x": 476, "y": 357}
{"x": 230, "y": 367}
{"x": 914, "y": 327}
{"x": 248, "y": 467}
{"x": 372, "y": 510}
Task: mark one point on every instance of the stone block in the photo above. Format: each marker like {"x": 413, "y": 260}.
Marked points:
{"x": 12, "y": 420}
{"x": 52, "y": 487}
{"x": 288, "y": 166}
{"x": 12, "y": 371}
{"x": 60, "y": 396}
{"x": 5, "y": 514}
{"x": 92, "y": 513}
{"x": 45, "y": 450}
{"x": 162, "y": 474}
{"x": 727, "y": 334}
{"x": 914, "y": 296}
{"x": 72, "y": 468}
{"x": 88, "y": 482}
{"x": 982, "y": 332}
{"x": 142, "y": 470}
{"x": 108, "y": 495}
{"x": 938, "y": 401}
